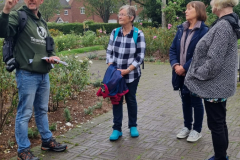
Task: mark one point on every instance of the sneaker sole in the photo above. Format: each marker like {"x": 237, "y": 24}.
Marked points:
{"x": 181, "y": 137}
{"x": 56, "y": 150}
{"x": 115, "y": 139}
{"x": 194, "y": 140}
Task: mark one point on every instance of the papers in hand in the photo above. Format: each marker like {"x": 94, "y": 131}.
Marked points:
{"x": 62, "y": 62}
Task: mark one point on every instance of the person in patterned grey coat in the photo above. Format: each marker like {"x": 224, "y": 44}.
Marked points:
{"x": 212, "y": 74}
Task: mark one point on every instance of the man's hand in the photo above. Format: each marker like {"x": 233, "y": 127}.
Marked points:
{"x": 180, "y": 70}
{"x": 51, "y": 59}
{"x": 124, "y": 72}
{"x": 109, "y": 64}
{"x": 9, "y": 4}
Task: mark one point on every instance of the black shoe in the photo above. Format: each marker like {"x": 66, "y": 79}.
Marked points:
{"x": 53, "y": 146}
{"x": 26, "y": 155}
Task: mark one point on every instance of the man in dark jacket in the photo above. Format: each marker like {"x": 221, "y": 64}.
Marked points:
{"x": 31, "y": 75}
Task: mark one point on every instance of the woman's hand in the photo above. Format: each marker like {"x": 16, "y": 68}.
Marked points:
{"x": 124, "y": 72}
{"x": 180, "y": 70}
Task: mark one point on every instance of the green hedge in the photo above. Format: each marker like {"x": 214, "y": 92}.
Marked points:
{"x": 78, "y": 27}
{"x": 67, "y": 27}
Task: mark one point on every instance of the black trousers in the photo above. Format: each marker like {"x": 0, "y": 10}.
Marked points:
{"x": 216, "y": 119}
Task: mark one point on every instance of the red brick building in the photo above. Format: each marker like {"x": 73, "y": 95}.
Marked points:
{"x": 74, "y": 11}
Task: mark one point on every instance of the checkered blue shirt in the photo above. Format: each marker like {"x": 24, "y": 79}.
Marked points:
{"x": 123, "y": 52}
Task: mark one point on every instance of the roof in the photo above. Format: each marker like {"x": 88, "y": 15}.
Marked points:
{"x": 65, "y": 4}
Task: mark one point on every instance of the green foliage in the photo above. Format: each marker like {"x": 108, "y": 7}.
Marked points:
{"x": 92, "y": 56}
{"x": 66, "y": 42}
{"x": 8, "y": 92}
{"x": 10, "y": 143}
{"x": 77, "y": 28}
{"x": 97, "y": 81}
{"x": 89, "y": 110}
{"x": 68, "y": 81}
{"x": 151, "y": 10}
{"x": 49, "y": 8}
{"x": 103, "y": 8}
{"x": 81, "y": 50}
{"x": 158, "y": 39}
{"x": 88, "y": 38}
{"x": 33, "y": 132}
{"x": 67, "y": 115}
{"x": 66, "y": 28}
{"x": 171, "y": 10}
{"x": 99, "y": 104}
{"x": 55, "y": 32}
{"x": 53, "y": 127}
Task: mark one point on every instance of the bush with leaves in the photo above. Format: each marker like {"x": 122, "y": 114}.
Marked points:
{"x": 8, "y": 92}
{"x": 68, "y": 41}
{"x": 55, "y": 32}
{"x": 67, "y": 115}
{"x": 33, "y": 132}
{"x": 68, "y": 81}
{"x": 88, "y": 38}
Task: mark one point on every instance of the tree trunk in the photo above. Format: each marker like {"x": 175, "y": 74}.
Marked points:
{"x": 163, "y": 14}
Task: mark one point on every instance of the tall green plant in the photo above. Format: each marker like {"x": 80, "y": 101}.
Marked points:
{"x": 8, "y": 92}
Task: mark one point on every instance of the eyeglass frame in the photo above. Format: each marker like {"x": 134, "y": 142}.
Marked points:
{"x": 122, "y": 15}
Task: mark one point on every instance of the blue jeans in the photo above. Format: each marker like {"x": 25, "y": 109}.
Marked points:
{"x": 131, "y": 106}
{"x": 33, "y": 90}
{"x": 192, "y": 104}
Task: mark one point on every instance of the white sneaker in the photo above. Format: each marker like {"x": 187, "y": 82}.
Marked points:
{"x": 183, "y": 133}
{"x": 194, "y": 136}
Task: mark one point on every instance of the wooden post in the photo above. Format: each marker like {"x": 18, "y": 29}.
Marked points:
{"x": 163, "y": 14}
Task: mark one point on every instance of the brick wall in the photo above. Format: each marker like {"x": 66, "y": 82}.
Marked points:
{"x": 75, "y": 16}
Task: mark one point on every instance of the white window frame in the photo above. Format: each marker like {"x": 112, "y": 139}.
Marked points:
{"x": 82, "y": 10}
{"x": 65, "y": 12}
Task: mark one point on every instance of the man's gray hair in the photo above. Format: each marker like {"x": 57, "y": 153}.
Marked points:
{"x": 131, "y": 11}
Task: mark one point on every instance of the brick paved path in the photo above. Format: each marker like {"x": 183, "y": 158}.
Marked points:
{"x": 159, "y": 120}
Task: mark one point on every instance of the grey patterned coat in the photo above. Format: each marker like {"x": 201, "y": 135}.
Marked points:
{"x": 213, "y": 71}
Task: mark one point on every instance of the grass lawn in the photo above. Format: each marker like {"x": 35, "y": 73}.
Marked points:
{"x": 81, "y": 50}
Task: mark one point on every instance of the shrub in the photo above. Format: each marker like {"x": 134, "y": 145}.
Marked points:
{"x": 33, "y": 132}
{"x": 67, "y": 114}
{"x": 68, "y": 41}
{"x": 53, "y": 127}
{"x": 78, "y": 27}
{"x": 55, "y": 32}
{"x": 8, "y": 92}
{"x": 66, "y": 28}
{"x": 88, "y": 38}
{"x": 92, "y": 56}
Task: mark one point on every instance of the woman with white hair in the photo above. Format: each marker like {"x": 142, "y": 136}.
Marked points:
{"x": 213, "y": 72}
{"x": 126, "y": 49}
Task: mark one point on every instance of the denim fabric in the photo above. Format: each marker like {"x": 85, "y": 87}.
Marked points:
{"x": 131, "y": 105}
{"x": 192, "y": 104}
{"x": 216, "y": 120}
{"x": 33, "y": 90}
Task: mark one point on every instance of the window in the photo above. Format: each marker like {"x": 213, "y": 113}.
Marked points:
{"x": 82, "y": 10}
{"x": 66, "y": 12}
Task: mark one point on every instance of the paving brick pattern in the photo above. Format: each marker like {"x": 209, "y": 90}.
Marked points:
{"x": 159, "y": 120}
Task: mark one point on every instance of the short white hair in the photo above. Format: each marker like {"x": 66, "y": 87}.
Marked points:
{"x": 131, "y": 11}
{"x": 220, "y": 4}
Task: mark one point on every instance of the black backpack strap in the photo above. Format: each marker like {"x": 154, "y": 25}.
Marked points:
{"x": 22, "y": 20}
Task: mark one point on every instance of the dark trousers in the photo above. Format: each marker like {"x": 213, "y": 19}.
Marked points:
{"x": 131, "y": 105}
{"x": 216, "y": 119}
{"x": 192, "y": 104}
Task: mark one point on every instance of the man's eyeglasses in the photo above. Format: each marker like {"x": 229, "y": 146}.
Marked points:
{"x": 122, "y": 15}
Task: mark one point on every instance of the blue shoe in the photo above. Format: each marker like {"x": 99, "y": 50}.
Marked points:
{"x": 213, "y": 158}
{"x": 115, "y": 135}
{"x": 134, "y": 132}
